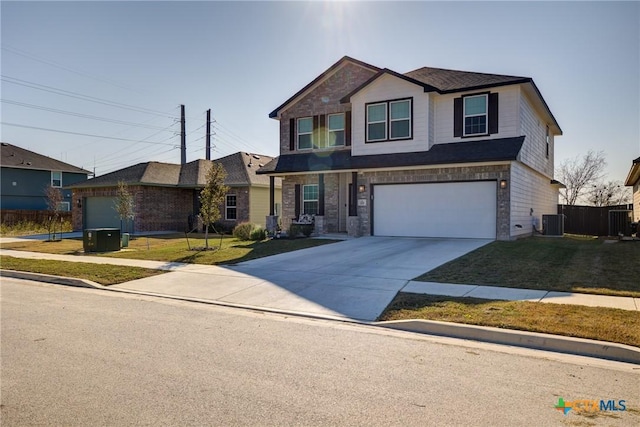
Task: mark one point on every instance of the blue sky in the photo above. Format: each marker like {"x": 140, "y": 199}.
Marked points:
{"x": 243, "y": 59}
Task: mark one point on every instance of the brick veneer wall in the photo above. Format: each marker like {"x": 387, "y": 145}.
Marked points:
{"x": 156, "y": 208}
{"x": 242, "y": 207}
{"x": 324, "y": 99}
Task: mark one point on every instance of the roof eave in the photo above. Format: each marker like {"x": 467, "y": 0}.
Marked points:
{"x": 634, "y": 173}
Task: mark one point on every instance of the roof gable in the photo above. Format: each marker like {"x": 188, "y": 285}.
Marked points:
{"x": 12, "y": 156}
{"x": 344, "y": 60}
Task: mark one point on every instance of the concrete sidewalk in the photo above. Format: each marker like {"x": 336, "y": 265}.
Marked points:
{"x": 281, "y": 289}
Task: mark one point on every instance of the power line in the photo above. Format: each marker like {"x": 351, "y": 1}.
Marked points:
{"x": 79, "y": 133}
{"x": 80, "y": 96}
{"x": 72, "y": 113}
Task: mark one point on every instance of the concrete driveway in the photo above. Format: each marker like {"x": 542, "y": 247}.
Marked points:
{"x": 353, "y": 279}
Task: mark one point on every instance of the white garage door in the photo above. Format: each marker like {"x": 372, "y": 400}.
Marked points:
{"x": 453, "y": 209}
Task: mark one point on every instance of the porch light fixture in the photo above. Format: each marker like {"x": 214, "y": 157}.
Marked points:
{"x": 79, "y": 202}
{"x": 503, "y": 183}
{"x": 362, "y": 188}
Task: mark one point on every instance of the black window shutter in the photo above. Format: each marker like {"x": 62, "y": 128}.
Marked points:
{"x": 321, "y": 194}
{"x": 493, "y": 113}
{"x": 347, "y": 128}
{"x": 297, "y": 198}
{"x": 292, "y": 134}
{"x": 322, "y": 133}
{"x": 457, "y": 117}
{"x": 315, "y": 142}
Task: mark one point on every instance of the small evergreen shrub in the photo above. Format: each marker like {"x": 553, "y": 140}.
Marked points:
{"x": 258, "y": 233}
{"x": 243, "y": 231}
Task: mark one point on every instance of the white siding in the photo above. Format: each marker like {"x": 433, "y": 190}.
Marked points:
{"x": 533, "y": 151}
{"x": 530, "y": 190}
{"x": 636, "y": 201}
{"x": 508, "y": 107}
{"x": 388, "y": 88}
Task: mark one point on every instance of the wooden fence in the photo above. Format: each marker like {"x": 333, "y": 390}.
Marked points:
{"x": 596, "y": 221}
{"x": 10, "y": 217}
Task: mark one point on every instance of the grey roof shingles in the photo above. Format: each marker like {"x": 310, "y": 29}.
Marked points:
{"x": 454, "y": 80}
{"x": 493, "y": 150}
{"x": 12, "y": 156}
{"x": 240, "y": 168}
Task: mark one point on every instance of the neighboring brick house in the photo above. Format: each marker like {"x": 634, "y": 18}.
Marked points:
{"x": 25, "y": 175}
{"x": 433, "y": 153}
{"x": 633, "y": 180}
{"x": 166, "y": 195}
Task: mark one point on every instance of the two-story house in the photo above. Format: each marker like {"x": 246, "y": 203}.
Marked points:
{"x": 25, "y": 176}
{"x": 428, "y": 153}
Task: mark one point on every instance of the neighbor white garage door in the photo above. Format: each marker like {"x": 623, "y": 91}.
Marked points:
{"x": 454, "y": 209}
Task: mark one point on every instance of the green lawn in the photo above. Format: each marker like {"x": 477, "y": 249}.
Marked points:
{"x": 175, "y": 248}
{"x": 569, "y": 264}
{"x": 604, "y": 324}
{"x": 99, "y": 273}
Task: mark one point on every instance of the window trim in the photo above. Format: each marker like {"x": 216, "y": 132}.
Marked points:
{"x": 387, "y": 121}
{"x": 52, "y": 179}
{"x": 317, "y": 200}
{"x": 486, "y": 115}
{"x": 227, "y": 206}
{"x": 67, "y": 206}
{"x": 329, "y": 130}
{"x": 298, "y": 133}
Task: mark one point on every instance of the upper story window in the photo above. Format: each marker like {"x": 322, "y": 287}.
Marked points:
{"x": 56, "y": 179}
{"x": 475, "y": 115}
{"x": 389, "y": 120}
{"x": 335, "y": 128}
{"x": 310, "y": 199}
{"x": 305, "y": 133}
{"x": 547, "y": 141}
{"x": 230, "y": 208}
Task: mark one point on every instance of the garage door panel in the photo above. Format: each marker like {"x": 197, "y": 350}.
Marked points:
{"x": 456, "y": 209}
{"x": 100, "y": 213}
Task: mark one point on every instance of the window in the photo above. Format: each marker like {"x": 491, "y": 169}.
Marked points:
{"x": 64, "y": 206}
{"x": 377, "y": 122}
{"x": 310, "y": 199}
{"x": 230, "y": 207}
{"x": 389, "y": 120}
{"x": 400, "y": 119}
{"x": 547, "y": 139}
{"x": 305, "y": 133}
{"x": 336, "y": 130}
{"x": 56, "y": 179}
{"x": 475, "y": 115}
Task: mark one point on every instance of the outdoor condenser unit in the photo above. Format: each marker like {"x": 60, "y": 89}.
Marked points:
{"x": 553, "y": 225}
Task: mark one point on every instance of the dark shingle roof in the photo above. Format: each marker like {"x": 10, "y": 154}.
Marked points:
{"x": 13, "y": 156}
{"x": 490, "y": 150}
{"x": 240, "y": 168}
{"x": 453, "y": 80}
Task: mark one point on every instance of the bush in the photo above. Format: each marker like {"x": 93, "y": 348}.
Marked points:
{"x": 243, "y": 231}
{"x": 258, "y": 233}
{"x": 297, "y": 229}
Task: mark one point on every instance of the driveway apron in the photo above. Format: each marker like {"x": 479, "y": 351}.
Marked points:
{"x": 353, "y": 279}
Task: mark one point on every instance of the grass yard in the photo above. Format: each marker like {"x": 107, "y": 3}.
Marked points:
{"x": 604, "y": 324}
{"x": 174, "y": 248}
{"x": 568, "y": 264}
{"x": 99, "y": 273}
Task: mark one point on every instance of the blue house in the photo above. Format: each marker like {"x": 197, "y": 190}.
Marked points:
{"x": 25, "y": 175}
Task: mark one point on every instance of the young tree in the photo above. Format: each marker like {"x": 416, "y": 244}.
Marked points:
{"x": 211, "y": 197}
{"x": 54, "y": 207}
{"x": 124, "y": 205}
{"x": 580, "y": 174}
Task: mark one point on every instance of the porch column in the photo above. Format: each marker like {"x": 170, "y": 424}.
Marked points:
{"x": 272, "y": 195}
{"x": 353, "y": 211}
{"x": 321, "y": 194}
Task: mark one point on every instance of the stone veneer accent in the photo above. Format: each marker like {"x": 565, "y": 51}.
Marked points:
{"x": 361, "y": 224}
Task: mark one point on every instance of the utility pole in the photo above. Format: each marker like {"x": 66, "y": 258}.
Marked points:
{"x": 208, "y": 149}
{"x": 183, "y": 138}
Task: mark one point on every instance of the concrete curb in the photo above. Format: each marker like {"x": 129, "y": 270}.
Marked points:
{"x": 47, "y": 278}
{"x": 534, "y": 340}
